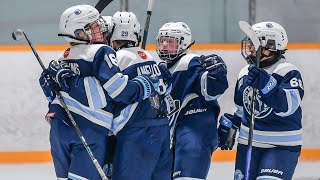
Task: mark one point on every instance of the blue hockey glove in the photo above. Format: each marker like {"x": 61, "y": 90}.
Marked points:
{"x": 166, "y": 76}
{"x": 60, "y": 72}
{"x": 227, "y": 131}
{"x": 48, "y": 85}
{"x": 149, "y": 84}
{"x": 215, "y": 66}
{"x": 260, "y": 79}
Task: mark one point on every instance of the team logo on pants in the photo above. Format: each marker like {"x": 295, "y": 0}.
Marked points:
{"x": 261, "y": 109}
{"x": 238, "y": 175}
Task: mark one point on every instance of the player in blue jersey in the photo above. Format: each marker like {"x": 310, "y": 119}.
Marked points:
{"x": 197, "y": 82}
{"x": 89, "y": 80}
{"x": 277, "y": 135}
{"x": 143, "y": 140}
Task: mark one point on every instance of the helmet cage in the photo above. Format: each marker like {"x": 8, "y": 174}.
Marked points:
{"x": 102, "y": 31}
{"x": 246, "y": 43}
{"x": 245, "y": 50}
{"x": 169, "y": 47}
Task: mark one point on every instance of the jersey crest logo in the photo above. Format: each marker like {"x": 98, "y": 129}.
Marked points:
{"x": 66, "y": 53}
{"x": 142, "y": 55}
{"x": 261, "y": 109}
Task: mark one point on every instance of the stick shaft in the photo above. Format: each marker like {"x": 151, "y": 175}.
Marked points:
{"x": 146, "y": 26}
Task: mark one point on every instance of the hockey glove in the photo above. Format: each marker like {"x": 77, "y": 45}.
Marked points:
{"x": 260, "y": 79}
{"x": 166, "y": 76}
{"x": 60, "y": 72}
{"x": 227, "y": 131}
{"x": 48, "y": 85}
{"x": 215, "y": 66}
{"x": 150, "y": 85}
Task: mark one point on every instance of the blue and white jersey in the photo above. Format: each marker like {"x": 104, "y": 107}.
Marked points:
{"x": 192, "y": 92}
{"x": 277, "y": 117}
{"x": 133, "y": 62}
{"x": 99, "y": 82}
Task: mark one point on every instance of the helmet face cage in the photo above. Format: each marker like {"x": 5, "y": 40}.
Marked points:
{"x": 168, "y": 47}
{"x": 246, "y": 45}
{"x": 97, "y": 30}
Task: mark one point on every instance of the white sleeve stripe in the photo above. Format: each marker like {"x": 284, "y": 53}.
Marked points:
{"x": 120, "y": 89}
{"x": 100, "y": 117}
{"x": 272, "y": 133}
{"x": 204, "y": 90}
{"x": 95, "y": 95}
{"x": 101, "y": 93}
{"x": 88, "y": 93}
{"x": 239, "y": 111}
{"x": 116, "y": 84}
{"x": 293, "y": 100}
{"x": 120, "y": 121}
{"x": 111, "y": 80}
{"x": 77, "y": 177}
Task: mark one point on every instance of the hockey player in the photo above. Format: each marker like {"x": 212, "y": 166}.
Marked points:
{"x": 142, "y": 131}
{"x": 277, "y": 135}
{"x": 89, "y": 79}
{"x": 197, "y": 82}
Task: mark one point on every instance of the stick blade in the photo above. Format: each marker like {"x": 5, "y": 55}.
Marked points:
{"x": 17, "y": 34}
{"x": 247, "y": 29}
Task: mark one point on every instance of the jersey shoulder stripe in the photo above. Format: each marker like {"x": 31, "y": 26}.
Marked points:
{"x": 81, "y": 51}
{"x": 183, "y": 63}
{"x": 284, "y": 68}
{"x": 244, "y": 71}
{"x": 132, "y": 56}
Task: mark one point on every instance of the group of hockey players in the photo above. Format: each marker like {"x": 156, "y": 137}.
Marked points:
{"x": 146, "y": 120}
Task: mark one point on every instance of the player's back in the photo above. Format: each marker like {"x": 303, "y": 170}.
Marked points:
{"x": 133, "y": 62}
{"x": 86, "y": 98}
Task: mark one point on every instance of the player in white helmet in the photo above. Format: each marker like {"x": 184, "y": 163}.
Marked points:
{"x": 277, "y": 134}
{"x": 197, "y": 82}
{"x": 90, "y": 81}
{"x": 143, "y": 144}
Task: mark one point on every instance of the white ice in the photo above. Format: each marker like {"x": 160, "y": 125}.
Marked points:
{"x": 223, "y": 171}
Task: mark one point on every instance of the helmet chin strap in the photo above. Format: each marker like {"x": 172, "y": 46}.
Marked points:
{"x": 75, "y": 38}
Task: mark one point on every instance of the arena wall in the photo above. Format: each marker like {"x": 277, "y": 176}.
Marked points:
{"x": 24, "y": 133}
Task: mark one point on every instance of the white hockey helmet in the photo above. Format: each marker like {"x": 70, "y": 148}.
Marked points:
{"x": 272, "y": 35}
{"x": 126, "y": 27}
{"x": 79, "y": 17}
{"x": 179, "y": 31}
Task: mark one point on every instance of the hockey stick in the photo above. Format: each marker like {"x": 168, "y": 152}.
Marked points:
{"x": 146, "y": 25}
{"x": 247, "y": 29}
{"x": 153, "y": 100}
{"x": 102, "y": 4}
{"x": 18, "y": 35}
